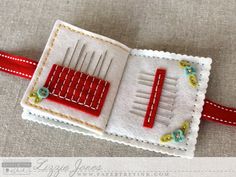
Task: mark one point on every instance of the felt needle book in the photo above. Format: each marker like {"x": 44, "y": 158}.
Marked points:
{"x": 90, "y": 84}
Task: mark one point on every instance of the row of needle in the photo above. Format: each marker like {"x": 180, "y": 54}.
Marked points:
{"x": 167, "y": 100}
{"x": 83, "y": 56}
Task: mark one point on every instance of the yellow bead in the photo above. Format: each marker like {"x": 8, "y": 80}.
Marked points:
{"x": 166, "y": 138}
{"x": 184, "y": 63}
{"x": 37, "y": 99}
{"x": 185, "y": 127}
{"x": 193, "y": 80}
{"x": 33, "y": 94}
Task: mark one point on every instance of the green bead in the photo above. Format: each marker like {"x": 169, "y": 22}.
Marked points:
{"x": 178, "y": 136}
{"x": 189, "y": 70}
{"x": 43, "y": 92}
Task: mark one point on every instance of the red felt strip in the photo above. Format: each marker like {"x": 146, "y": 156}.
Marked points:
{"x": 92, "y": 88}
{"x": 73, "y": 84}
{"x": 76, "y": 89}
{"x": 67, "y": 81}
{"x": 154, "y": 100}
{"x": 25, "y": 67}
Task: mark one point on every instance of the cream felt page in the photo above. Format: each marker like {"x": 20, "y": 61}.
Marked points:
{"x": 89, "y": 53}
{"x": 128, "y": 114}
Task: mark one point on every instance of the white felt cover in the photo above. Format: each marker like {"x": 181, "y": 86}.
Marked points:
{"x": 125, "y": 127}
{"x": 63, "y": 36}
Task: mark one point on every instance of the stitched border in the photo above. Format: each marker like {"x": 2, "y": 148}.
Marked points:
{"x": 16, "y": 72}
{"x": 66, "y": 116}
{"x": 145, "y": 56}
{"x": 94, "y": 37}
{"x": 156, "y": 144}
{"x": 17, "y": 59}
{"x": 113, "y": 134}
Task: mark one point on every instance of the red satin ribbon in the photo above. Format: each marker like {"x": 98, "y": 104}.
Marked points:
{"x": 217, "y": 113}
{"x": 19, "y": 66}
{"x": 24, "y": 67}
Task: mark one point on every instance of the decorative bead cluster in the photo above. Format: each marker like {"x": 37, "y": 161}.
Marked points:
{"x": 177, "y": 135}
{"x": 190, "y": 72}
{"x": 40, "y": 94}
